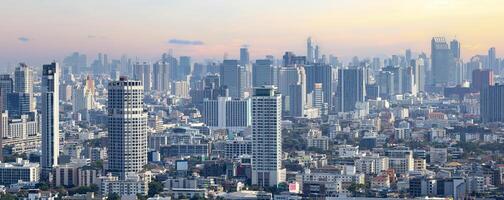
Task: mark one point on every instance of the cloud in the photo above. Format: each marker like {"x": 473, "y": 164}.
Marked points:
{"x": 91, "y": 36}
{"x": 185, "y": 42}
{"x": 23, "y": 39}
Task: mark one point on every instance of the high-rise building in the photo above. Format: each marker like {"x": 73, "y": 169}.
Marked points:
{"x": 455, "y": 49}
{"x": 386, "y": 83}
{"x": 481, "y": 79}
{"x": 226, "y": 112}
{"x": 127, "y": 127}
{"x": 267, "y": 137}
{"x": 351, "y": 89}
{"x": 244, "y": 56}
{"x": 288, "y": 76}
{"x": 185, "y": 67}
{"x": 76, "y": 62}
{"x": 493, "y": 63}
{"x": 18, "y": 104}
{"x": 290, "y": 59}
{"x": 173, "y": 65}
{"x": 318, "y": 96}
{"x": 142, "y": 72}
{"x": 50, "y": 119}
{"x": 23, "y": 83}
{"x": 234, "y": 76}
{"x": 444, "y": 61}
{"x": 180, "y": 89}
{"x": 320, "y": 73}
{"x": 408, "y": 81}
{"x": 6, "y": 87}
{"x": 264, "y": 73}
{"x": 309, "y": 50}
{"x": 492, "y": 104}
{"x": 161, "y": 76}
{"x": 297, "y": 99}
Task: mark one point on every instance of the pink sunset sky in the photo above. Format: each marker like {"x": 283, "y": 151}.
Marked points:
{"x": 39, "y": 31}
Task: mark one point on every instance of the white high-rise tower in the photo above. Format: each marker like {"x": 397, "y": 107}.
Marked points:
{"x": 50, "y": 119}
{"x": 267, "y": 137}
{"x": 127, "y": 127}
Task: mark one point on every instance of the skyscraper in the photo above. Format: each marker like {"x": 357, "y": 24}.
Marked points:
{"x": 23, "y": 83}
{"x": 309, "y": 50}
{"x": 161, "y": 76}
{"x": 127, "y": 127}
{"x": 226, "y": 112}
{"x": 234, "y": 76}
{"x": 288, "y": 76}
{"x": 264, "y": 73}
{"x": 185, "y": 67}
{"x": 492, "y": 104}
{"x": 142, "y": 72}
{"x": 50, "y": 119}
{"x": 320, "y": 73}
{"x": 481, "y": 79}
{"x": 444, "y": 61}
{"x": 244, "y": 56}
{"x": 297, "y": 99}
{"x": 6, "y": 87}
{"x": 351, "y": 89}
{"x": 267, "y": 137}
{"x": 492, "y": 60}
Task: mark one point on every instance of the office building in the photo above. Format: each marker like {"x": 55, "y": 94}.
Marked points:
{"x": 244, "y": 56}
{"x": 21, "y": 170}
{"x": 127, "y": 127}
{"x": 481, "y": 79}
{"x": 23, "y": 83}
{"x": 142, "y": 72}
{"x": 18, "y": 104}
{"x": 264, "y": 73}
{"x": 297, "y": 100}
{"x": 287, "y": 76}
{"x": 351, "y": 89}
{"x": 444, "y": 61}
{"x": 234, "y": 76}
{"x": 180, "y": 89}
{"x": 492, "y": 104}
{"x": 185, "y": 67}
{"x": 226, "y": 112}
{"x": 493, "y": 63}
{"x": 50, "y": 119}
{"x": 161, "y": 77}
{"x": 320, "y": 73}
{"x": 6, "y": 87}
{"x": 267, "y": 137}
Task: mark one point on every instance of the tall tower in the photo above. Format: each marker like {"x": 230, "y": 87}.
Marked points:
{"x": 244, "y": 56}
{"x": 493, "y": 63}
{"x": 267, "y": 137}
{"x": 127, "y": 122}
{"x": 309, "y": 50}
{"x": 444, "y": 61}
{"x": 50, "y": 119}
{"x": 351, "y": 89}
{"x": 234, "y": 76}
{"x": 23, "y": 83}
{"x": 492, "y": 104}
{"x": 6, "y": 87}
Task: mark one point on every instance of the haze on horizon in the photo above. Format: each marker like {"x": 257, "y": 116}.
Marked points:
{"x": 36, "y": 31}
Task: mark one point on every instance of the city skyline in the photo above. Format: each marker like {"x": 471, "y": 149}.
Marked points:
{"x": 211, "y": 29}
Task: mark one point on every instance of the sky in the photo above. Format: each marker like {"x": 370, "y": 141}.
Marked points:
{"x": 40, "y": 31}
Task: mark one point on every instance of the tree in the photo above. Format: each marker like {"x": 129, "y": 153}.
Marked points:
{"x": 7, "y": 196}
{"x": 155, "y": 187}
{"x": 141, "y": 197}
{"x": 113, "y": 196}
